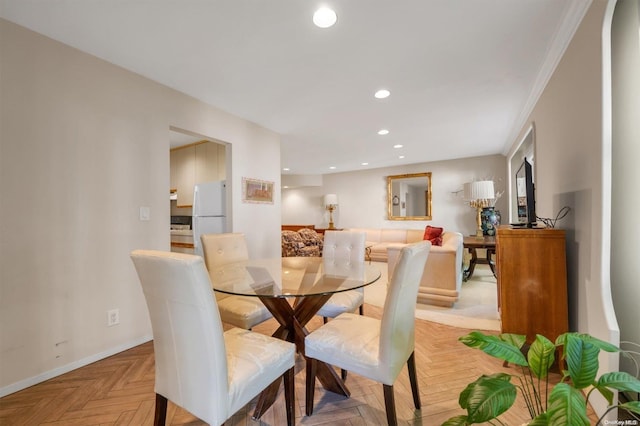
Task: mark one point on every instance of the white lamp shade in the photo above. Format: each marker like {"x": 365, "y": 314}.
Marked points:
{"x": 331, "y": 200}
{"x": 479, "y": 190}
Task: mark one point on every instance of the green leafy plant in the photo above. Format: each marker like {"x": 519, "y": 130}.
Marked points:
{"x": 562, "y": 404}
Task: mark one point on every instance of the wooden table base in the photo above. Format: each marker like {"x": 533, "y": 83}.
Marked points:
{"x": 292, "y": 320}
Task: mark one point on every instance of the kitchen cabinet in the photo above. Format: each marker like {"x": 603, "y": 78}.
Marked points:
{"x": 191, "y": 164}
{"x": 209, "y": 162}
{"x": 183, "y": 162}
{"x": 532, "y": 282}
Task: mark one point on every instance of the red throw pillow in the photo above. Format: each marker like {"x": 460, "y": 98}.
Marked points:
{"x": 433, "y": 234}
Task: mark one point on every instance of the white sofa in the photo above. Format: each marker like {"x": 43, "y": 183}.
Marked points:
{"x": 442, "y": 278}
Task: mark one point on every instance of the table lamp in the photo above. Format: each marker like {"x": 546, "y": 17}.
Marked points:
{"x": 331, "y": 203}
{"x": 479, "y": 195}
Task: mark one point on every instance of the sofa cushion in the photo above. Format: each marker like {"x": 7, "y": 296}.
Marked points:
{"x": 433, "y": 234}
{"x": 311, "y": 238}
{"x": 393, "y": 236}
{"x": 293, "y": 245}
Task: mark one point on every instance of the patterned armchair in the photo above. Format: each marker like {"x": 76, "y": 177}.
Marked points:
{"x": 312, "y": 238}
{"x": 293, "y": 245}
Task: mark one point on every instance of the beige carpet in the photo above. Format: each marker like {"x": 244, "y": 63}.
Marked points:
{"x": 477, "y": 307}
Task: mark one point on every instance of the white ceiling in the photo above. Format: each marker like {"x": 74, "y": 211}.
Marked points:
{"x": 463, "y": 74}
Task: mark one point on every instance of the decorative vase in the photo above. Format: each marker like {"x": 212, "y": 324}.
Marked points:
{"x": 490, "y": 219}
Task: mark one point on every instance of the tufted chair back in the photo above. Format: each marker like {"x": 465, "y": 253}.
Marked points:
{"x": 398, "y": 316}
{"x": 191, "y": 360}
{"x": 376, "y": 349}
{"x": 344, "y": 245}
{"x": 220, "y": 249}
{"x": 199, "y": 367}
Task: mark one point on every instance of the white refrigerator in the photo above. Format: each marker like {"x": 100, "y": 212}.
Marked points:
{"x": 209, "y": 211}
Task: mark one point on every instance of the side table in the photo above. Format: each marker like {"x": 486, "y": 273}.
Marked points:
{"x": 473, "y": 243}
{"x": 323, "y": 230}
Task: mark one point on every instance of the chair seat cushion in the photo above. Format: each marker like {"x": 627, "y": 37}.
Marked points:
{"x": 242, "y": 311}
{"x": 253, "y": 362}
{"x": 350, "y": 342}
{"x": 339, "y": 303}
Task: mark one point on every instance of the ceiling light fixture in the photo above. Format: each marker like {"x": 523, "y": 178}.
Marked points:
{"x": 364, "y": 164}
{"x": 397, "y": 146}
{"x": 383, "y": 132}
{"x": 401, "y": 157}
{"x": 324, "y": 17}
{"x": 332, "y": 167}
{"x": 382, "y": 93}
{"x": 286, "y": 169}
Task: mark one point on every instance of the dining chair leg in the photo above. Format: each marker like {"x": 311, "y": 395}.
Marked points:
{"x": 413, "y": 378}
{"x": 361, "y": 309}
{"x": 161, "y": 411}
{"x": 344, "y": 374}
{"x": 390, "y": 405}
{"x": 324, "y": 320}
{"x": 290, "y": 395}
{"x": 310, "y": 385}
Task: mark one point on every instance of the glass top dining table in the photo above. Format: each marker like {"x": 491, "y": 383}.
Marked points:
{"x": 294, "y": 289}
{"x": 292, "y": 277}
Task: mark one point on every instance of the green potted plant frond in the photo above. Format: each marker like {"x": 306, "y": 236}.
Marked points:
{"x": 562, "y": 404}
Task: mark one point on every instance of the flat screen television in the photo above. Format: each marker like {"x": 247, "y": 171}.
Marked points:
{"x": 525, "y": 195}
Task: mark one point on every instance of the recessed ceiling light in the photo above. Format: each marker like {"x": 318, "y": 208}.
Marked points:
{"x": 286, "y": 169}
{"x": 364, "y": 164}
{"x": 401, "y": 157}
{"x": 382, "y": 93}
{"x": 324, "y": 17}
{"x": 332, "y": 167}
{"x": 285, "y": 187}
{"x": 383, "y": 132}
{"x": 397, "y": 146}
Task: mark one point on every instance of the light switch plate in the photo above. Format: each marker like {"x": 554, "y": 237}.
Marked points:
{"x": 145, "y": 213}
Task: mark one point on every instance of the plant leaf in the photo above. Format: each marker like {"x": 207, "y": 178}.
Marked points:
{"x": 606, "y": 392}
{"x": 633, "y": 406}
{"x": 541, "y": 355}
{"x": 488, "y": 397}
{"x": 619, "y": 380}
{"x": 541, "y": 419}
{"x": 457, "y": 421}
{"x": 495, "y": 347}
{"x": 567, "y": 406}
{"x": 600, "y": 344}
{"x": 517, "y": 340}
{"x": 582, "y": 361}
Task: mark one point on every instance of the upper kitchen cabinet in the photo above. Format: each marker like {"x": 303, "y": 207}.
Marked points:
{"x": 200, "y": 162}
{"x": 209, "y": 162}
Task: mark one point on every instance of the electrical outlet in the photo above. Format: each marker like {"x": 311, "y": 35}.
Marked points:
{"x": 113, "y": 317}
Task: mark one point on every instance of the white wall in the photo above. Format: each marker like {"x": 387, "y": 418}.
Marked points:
{"x": 570, "y": 167}
{"x": 362, "y": 196}
{"x": 625, "y": 203}
{"x": 83, "y": 145}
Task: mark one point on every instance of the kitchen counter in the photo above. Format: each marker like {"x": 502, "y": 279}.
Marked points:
{"x": 182, "y": 240}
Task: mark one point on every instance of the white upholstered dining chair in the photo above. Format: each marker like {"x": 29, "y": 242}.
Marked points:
{"x": 376, "y": 349}
{"x": 343, "y": 246}
{"x": 208, "y": 372}
{"x": 241, "y": 311}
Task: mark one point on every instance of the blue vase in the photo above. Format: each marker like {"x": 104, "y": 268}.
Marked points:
{"x": 490, "y": 219}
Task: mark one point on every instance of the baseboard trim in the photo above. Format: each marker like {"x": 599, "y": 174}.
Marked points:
{"x": 23, "y": 384}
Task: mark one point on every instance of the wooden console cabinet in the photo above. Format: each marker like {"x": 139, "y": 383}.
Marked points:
{"x": 532, "y": 281}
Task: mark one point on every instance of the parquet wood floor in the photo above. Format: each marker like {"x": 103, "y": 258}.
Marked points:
{"x": 119, "y": 390}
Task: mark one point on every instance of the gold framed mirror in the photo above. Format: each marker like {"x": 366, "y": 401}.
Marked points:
{"x": 409, "y": 196}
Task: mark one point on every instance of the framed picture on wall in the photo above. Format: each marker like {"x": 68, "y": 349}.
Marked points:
{"x": 257, "y": 191}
